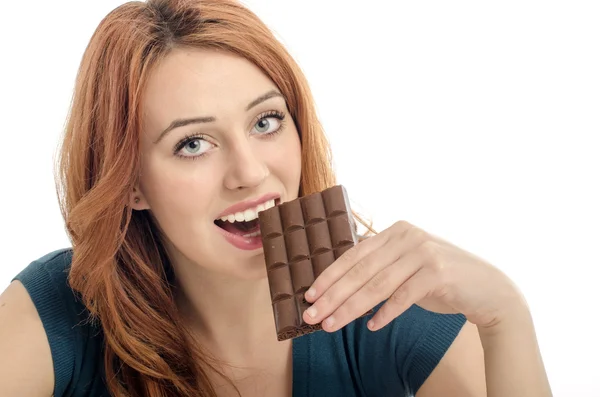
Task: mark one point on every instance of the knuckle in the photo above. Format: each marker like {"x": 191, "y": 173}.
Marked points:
{"x": 376, "y": 283}
{"x": 358, "y": 270}
{"x": 433, "y": 258}
{"x": 401, "y": 225}
{"x": 418, "y": 235}
{"x": 401, "y": 295}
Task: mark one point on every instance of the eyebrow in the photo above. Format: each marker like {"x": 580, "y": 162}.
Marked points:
{"x": 198, "y": 120}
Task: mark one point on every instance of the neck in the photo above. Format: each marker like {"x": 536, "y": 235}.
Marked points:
{"x": 231, "y": 317}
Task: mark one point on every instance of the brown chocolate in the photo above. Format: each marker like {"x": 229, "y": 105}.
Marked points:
{"x": 301, "y": 238}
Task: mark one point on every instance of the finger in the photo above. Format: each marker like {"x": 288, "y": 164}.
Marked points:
{"x": 352, "y": 281}
{"x": 398, "y": 232}
{"x": 344, "y": 263}
{"x": 379, "y": 288}
{"x": 416, "y": 288}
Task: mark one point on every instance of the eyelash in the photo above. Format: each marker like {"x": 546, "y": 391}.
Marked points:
{"x": 190, "y": 138}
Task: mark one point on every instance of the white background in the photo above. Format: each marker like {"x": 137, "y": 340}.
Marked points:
{"x": 477, "y": 121}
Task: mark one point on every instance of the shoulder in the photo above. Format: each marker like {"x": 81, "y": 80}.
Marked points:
{"x": 25, "y": 349}
{"x": 62, "y": 323}
{"x": 23, "y": 336}
{"x": 57, "y": 305}
{"x": 53, "y": 267}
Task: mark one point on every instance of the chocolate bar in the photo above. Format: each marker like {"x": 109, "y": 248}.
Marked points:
{"x": 301, "y": 238}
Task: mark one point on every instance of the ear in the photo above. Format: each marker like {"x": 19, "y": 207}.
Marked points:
{"x": 137, "y": 200}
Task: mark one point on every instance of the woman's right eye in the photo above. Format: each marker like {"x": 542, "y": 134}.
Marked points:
{"x": 192, "y": 147}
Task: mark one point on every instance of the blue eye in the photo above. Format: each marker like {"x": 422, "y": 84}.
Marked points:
{"x": 194, "y": 146}
{"x": 197, "y": 146}
{"x": 264, "y": 125}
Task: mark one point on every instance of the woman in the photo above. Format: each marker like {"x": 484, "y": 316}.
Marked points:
{"x": 186, "y": 112}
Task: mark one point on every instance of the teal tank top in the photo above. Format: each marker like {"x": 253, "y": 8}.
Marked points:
{"x": 352, "y": 362}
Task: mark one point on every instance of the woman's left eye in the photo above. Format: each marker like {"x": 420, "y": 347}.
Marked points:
{"x": 269, "y": 123}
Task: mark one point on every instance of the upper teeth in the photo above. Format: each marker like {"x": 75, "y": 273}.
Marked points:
{"x": 249, "y": 214}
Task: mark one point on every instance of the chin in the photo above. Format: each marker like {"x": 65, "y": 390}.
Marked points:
{"x": 255, "y": 268}
{"x": 243, "y": 268}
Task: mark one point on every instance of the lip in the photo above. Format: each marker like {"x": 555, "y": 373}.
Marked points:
{"x": 243, "y": 243}
{"x": 244, "y": 205}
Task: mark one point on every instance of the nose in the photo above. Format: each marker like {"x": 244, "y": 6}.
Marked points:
{"x": 246, "y": 169}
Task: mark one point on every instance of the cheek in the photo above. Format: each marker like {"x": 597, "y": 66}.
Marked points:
{"x": 287, "y": 158}
{"x": 176, "y": 187}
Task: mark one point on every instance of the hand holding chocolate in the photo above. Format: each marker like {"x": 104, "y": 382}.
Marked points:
{"x": 301, "y": 238}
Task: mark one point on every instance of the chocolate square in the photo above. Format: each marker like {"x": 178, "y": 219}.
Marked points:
{"x": 301, "y": 238}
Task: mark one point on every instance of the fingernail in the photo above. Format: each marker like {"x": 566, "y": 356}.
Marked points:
{"x": 311, "y": 293}
{"x": 371, "y": 324}
{"x": 329, "y": 322}
{"x": 311, "y": 311}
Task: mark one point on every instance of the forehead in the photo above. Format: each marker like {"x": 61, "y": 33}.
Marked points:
{"x": 198, "y": 82}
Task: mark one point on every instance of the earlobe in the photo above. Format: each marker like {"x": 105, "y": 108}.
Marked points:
{"x": 137, "y": 200}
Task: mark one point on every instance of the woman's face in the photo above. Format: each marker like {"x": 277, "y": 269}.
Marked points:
{"x": 213, "y": 146}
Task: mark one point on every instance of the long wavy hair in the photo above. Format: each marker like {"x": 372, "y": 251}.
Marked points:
{"x": 119, "y": 266}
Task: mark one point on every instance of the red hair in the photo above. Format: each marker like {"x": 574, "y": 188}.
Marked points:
{"x": 119, "y": 265}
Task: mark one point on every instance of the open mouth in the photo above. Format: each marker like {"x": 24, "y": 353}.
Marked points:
{"x": 245, "y": 228}
{"x": 242, "y": 228}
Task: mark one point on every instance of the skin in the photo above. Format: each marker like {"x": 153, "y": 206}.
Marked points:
{"x": 405, "y": 265}
{"x": 495, "y": 353}
{"x": 223, "y": 291}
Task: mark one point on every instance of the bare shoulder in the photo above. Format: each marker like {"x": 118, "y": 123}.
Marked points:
{"x": 461, "y": 372}
{"x": 26, "y": 368}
